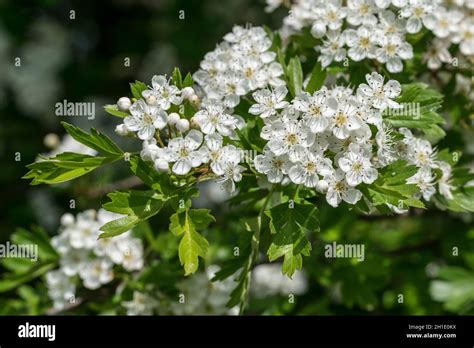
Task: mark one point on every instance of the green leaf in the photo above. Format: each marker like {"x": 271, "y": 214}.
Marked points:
{"x": 137, "y": 88}
{"x": 317, "y": 78}
{"x": 455, "y": 289}
{"x": 112, "y": 109}
{"x": 295, "y": 76}
{"x": 289, "y": 225}
{"x": 137, "y": 205}
{"x": 38, "y": 236}
{"x": 188, "y": 81}
{"x": 391, "y": 187}
{"x": 64, "y": 167}
{"x": 420, "y": 111}
{"x": 12, "y": 281}
{"x": 147, "y": 173}
{"x": 95, "y": 140}
{"x": 177, "y": 78}
{"x": 462, "y": 201}
{"x": 193, "y": 244}
{"x": 248, "y": 252}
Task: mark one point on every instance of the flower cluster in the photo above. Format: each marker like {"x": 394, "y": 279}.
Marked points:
{"x": 334, "y": 140}
{"x": 377, "y": 29}
{"x": 203, "y": 297}
{"x": 240, "y": 64}
{"x": 178, "y": 143}
{"x": 86, "y": 257}
{"x": 198, "y": 295}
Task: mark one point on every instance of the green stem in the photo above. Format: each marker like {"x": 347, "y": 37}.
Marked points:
{"x": 254, "y": 254}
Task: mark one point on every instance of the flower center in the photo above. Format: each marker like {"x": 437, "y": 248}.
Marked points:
{"x": 391, "y": 49}
{"x": 183, "y": 152}
{"x": 339, "y": 186}
{"x": 311, "y": 167}
{"x": 277, "y": 163}
{"x": 292, "y": 139}
{"x": 357, "y": 166}
{"x": 418, "y": 12}
{"x": 147, "y": 119}
{"x": 341, "y": 119}
{"x": 315, "y": 110}
{"x": 364, "y": 42}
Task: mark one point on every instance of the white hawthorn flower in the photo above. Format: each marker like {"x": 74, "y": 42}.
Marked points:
{"x": 464, "y": 36}
{"x": 389, "y": 25}
{"x": 306, "y": 171}
{"x": 345, "y": 120}
{"x": 218, "y": 154}
{"x": 141, "y": 304}
{"x": 290, "y": 138}
{"x": 96, "y": 273}
{"x": 338, "y": 190}
{"x": 424, "y": 180}
{"x": 61, "y": 289}
{"x": 145, "y": 119}
{"x": 361, "y": 43}
{"x": 444, "y": 183}
{"x": 73, "y": 261}
{"x": 393, "y": 49}
{"x": 272, "y": 73}
{"x": 233, "y": 87}
{"x": 84, "y": 233}
{"x": 232, "y": 172}
{"x": 379, "y": 95}
{"x": 386, "y": 153}
{"x": 418, "y": 13}
{"x": 215, "y": 119}
{"x": 184, "y": 152}
{"x": 358, "y": 168}
{"x": 444, "y": 22}
{"x": 437, "y": 54}
{"x": 333, "y": 48}
{"x": 269, "y": 101}
{"x": 317, "y": 109}
{"x": 361, "y": 12}
{"x": 274, "y": 167}
{"x": 332, "y": 15}
{"x": 132, "y": 254}
{"x": 162, "y": 93}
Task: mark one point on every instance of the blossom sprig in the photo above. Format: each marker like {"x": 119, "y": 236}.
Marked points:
{"x": 85, "y": 260}
{"x": 378, "y": 29}
{"x": 182, "y": 135}
{"x": 242, "y": 63}
{"x": 334, "y": 140}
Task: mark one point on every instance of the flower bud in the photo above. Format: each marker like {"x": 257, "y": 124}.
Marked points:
{"x": 124, "y": 104}
{"x": 182, "y": 125}
{"x": 51, "y": 141}
{"x": 187, "y": 93}
{"x": 173, "y": 118}
{"x": 151, "y": 100}
{"x": 161, "y": 166}
{"x": 122, "y": 130}
{"x": 194, "y": 123}
{"x": 194, "y": 99}
{"x": 67, "y": 219}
